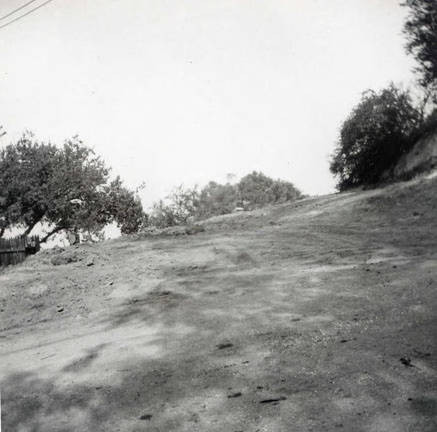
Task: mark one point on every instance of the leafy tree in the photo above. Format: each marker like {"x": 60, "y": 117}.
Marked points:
{"x": 64, "y": 188}
{"x": 124, "y": 207}
{"x": 257, "y": 189}
{"x": 282, "y": 191}
{"x": 184, "y": 202}
{"x": 162, "y": 215}
{"x": 421, "y": 31}
{"x": 181, "y": 204}
{"x": 377, "y": 132}
{"x": 25, "y": 170}
{"x": 253, "y": 188}
{"x": 76, "y": 190}
{"x": 217, "y": 199}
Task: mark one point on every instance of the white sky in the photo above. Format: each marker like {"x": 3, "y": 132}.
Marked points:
{"x": 187, "y": 91}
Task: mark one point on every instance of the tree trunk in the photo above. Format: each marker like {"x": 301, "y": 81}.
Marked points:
{"x": 31, "y": 227}
{"x": 38, "y": 218}
{"x": 52, "y": 232}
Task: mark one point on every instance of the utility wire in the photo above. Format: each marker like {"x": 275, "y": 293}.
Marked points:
{"x": 25, "y": 14}
{"x": 16, "y": 10}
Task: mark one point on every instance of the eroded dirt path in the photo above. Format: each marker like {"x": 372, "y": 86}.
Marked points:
{"x": 316, "y": 316}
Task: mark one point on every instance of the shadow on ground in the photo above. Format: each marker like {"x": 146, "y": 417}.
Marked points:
{"x": 322, "y": 320}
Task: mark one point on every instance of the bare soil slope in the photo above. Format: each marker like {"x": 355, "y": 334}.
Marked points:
{"x": 313, "y": 316}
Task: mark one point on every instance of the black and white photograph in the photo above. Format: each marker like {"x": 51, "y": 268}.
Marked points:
{"x": 218, "y": 215}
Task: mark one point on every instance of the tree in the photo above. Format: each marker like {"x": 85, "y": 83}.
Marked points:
{"x": 378, "y": 131}
{"x": 257, "y": 190}
{"x": 76, "y": 191}
{"x": 254, "y": 188}
{"x": 217, "y": 199}
{"x": 124, "y": 207}
{"x": 282, "y": 191}
{"x": 25, "y": 170}
{"x": 65, "y": 188}
{"x": 420, "y": 29}
{"x": 180, "y": 205}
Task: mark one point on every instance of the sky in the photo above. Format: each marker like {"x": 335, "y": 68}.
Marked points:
{"x": 174, "y": 92}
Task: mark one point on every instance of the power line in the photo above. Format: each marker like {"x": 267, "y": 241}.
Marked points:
{"x": 16, "y": 10}
{"x": 25, "y": 14}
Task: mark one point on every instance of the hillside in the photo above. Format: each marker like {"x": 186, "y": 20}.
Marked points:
{"x": 313, "y": 316}
{"x": 421, "y": 158}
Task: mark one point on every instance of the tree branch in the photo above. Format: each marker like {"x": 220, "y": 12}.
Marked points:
{"x": 32, "y": 225}
{"x": 52, "y": 232}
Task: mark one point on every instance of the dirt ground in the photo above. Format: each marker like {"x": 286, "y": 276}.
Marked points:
{"x": 314, "y": 316}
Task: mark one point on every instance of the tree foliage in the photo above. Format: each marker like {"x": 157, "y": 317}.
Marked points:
{"x": 217, "y": 199}
{"x": 124, "y": 207}
{"x": 180, "y": 205}
{"x": 64, "y": 188}
{"x": 377, "y": 132}
{"x": 254, "y": 190}
{"x": 257, "y": 190}
{"x": 421, "y": 31}
{"x": 25, "y": 170}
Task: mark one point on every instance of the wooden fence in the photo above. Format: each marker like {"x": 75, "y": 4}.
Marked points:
{"x": 15, "y": 250}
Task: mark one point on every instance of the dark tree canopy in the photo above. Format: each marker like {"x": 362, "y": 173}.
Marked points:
{"x": 421, "y": 32}
{"x": 25, "y": 172}
{"x": 65, "y": 188}
{"x": 378, "y": 131}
